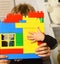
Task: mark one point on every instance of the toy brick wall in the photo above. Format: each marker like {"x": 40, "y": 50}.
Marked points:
{"x": 13, "y": 34}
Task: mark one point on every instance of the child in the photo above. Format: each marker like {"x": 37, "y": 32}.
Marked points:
{"x": 43, "y": 50}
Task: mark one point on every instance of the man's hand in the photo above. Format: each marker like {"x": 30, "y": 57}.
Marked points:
{"x": 3, "y": 61}
{"x": 43, "y": 50}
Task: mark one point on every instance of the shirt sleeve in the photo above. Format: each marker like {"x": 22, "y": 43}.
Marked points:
{"x": 51, "y": 42}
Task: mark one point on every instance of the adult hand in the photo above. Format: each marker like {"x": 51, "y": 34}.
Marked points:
{"x": 3, "y": 61}
{"x": 43, "y": 50}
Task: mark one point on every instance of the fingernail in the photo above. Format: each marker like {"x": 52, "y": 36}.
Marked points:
{"x": 45, "y": 44}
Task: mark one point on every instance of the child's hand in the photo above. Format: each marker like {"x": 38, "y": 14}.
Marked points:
{"x": 4, "y": 61}
{"x": 36, "y": 36}
{"x": 43, "y": 50}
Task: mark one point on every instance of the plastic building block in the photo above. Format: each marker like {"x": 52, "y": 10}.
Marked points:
{"x": 41, "y": 20}
{"x": 22, "y": 21}
{"x": 9, "y": 28}
{"x": 36, "y": 14}
{"x": 18, "y": 46}
{"x": 19, "y": 39}
{"x": 40, "y": 42}
{"x": 11, "y": 51}
{"x": 21, "y": 56}
{"x": 13, "y": 18}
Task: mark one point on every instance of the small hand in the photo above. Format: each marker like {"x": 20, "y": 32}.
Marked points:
{"x": 43, "y": 50}
{"x": 36, "y": 36}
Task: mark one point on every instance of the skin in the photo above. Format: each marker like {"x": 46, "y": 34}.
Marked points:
{"x": 4, "y": 61}
{"x": 43, "y": 50}
{"x": 36, "y": 36}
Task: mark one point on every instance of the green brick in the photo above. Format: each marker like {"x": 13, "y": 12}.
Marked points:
{"x": 19, "y": 39}
{"x": 41, "y": 20}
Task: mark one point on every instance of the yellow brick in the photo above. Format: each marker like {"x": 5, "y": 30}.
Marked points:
{"x": 0, "y": 40}
{"x": 17, "y": 47}
{"x": 28, "y": 46}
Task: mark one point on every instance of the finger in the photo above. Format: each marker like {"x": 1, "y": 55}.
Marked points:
{"x": 49, "y": 51}
{"x": 45, "y": 51}
{"x": 33, "y": 41}
{"x": 42, "y": 52}
{"x": 38, "y": 29}
{"x": 4, "y": 61}
{"x": 49, "y": 48}
{"x": 44, "y": 55}
{"x": 30, "y": 37}
{"x": 31, "y": 33}
{"x": 41, "y": 49}
{"x": 3, "y": 56}
{"x": 42, "y": 45}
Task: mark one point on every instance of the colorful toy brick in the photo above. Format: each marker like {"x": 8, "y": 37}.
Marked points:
{"x": 13, "y": 35}
{"x": 36, "y": 14}
{"x": 13, "y": 18}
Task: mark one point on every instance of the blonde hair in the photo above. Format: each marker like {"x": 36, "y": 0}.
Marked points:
{"x": 23, "y": 9}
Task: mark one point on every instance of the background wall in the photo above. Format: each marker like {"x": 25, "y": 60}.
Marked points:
{"x": 5, "y": 7}
{"x": 53, "y": 7}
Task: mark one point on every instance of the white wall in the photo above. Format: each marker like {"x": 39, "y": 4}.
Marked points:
{"x": 5, "y": 7}
{"x": 53, "y": 2}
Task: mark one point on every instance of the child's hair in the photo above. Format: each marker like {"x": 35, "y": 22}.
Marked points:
{"x": 23, "y": 9}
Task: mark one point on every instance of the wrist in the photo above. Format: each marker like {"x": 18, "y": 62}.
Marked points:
{"x": 43, "y": 37}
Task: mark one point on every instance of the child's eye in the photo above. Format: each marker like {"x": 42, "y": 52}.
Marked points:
{"x": 22, "y": 21}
